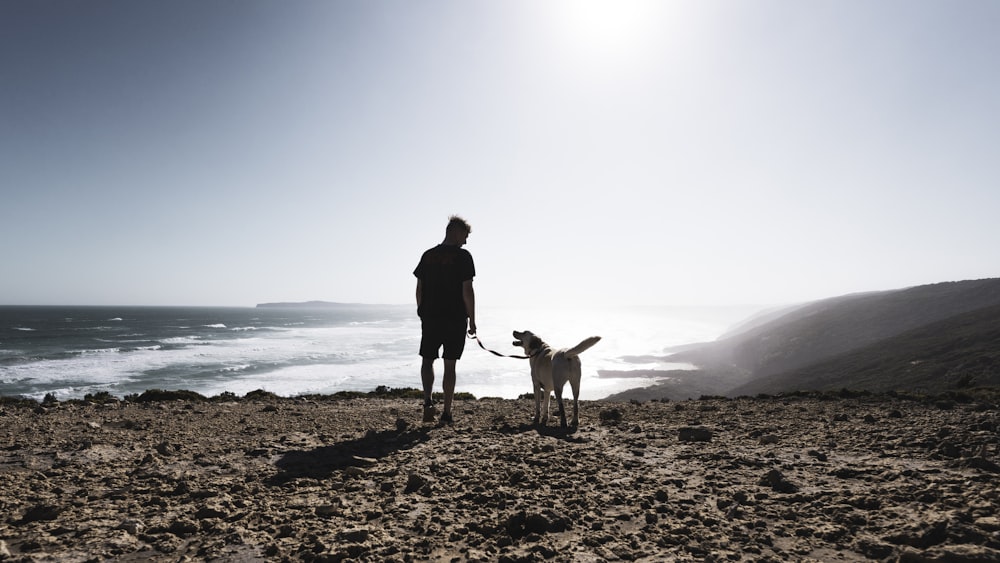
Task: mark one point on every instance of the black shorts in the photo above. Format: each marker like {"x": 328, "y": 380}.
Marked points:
{"x": 449, "y": 333}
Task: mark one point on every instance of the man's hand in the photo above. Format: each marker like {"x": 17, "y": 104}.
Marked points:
{"x": 472, "y": 327}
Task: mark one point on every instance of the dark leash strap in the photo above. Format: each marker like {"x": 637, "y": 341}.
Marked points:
{"x": 494, "y": 352}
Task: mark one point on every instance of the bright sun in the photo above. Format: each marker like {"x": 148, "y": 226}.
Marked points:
{"x": 607, "y": 28}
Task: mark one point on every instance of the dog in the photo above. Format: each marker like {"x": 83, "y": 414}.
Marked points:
{"x": 550, "y": 370}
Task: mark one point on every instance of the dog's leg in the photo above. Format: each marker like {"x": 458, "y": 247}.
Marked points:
{"x": 538, "y": 401}
{"x": 575, "y": 384}
{"x": 546, "y": 398}
{"x": 562, "y": 407}
{"x": 561, "y": 368}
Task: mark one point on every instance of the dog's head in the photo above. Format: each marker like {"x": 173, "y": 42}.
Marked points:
{"x": 527, "y": 340}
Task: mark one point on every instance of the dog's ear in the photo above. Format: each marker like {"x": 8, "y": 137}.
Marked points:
{"x": 535, "y": 343}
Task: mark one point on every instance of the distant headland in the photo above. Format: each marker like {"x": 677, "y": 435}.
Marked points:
{"x": 305, "y": 305}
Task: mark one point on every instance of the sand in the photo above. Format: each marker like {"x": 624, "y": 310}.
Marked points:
{"x": 800, "y": 478}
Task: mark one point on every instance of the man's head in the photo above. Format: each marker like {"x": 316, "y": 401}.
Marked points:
{"x": 457, "y": 231}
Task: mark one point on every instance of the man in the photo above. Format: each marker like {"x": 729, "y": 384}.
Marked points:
{"x": 446, "y": 304}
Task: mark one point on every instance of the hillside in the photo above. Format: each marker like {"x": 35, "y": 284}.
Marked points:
{"x": 859, "y": 341}
{"x": 961, "y": 351}
{"x": 825, "y": 329}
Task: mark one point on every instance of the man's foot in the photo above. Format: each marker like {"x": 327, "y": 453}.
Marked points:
{"x": 429, "y": 413}
{"x": 446, "y": 419}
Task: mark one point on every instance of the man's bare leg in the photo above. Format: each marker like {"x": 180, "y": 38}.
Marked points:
{"x": 449, "y": 385}
{"x": 427, "y": 378}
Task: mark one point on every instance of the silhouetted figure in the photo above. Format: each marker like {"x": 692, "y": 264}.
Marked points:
{"x": 446, "y": 304}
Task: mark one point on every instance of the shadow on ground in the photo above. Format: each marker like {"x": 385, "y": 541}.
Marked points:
{"x": 567, "y": 434}
{"x": 321, "y": 462}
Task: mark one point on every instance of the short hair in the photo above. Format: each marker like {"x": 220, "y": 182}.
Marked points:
{"x": 456, "y": 222}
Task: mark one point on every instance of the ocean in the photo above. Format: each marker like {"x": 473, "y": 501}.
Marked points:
{"x": 74, "y": 351}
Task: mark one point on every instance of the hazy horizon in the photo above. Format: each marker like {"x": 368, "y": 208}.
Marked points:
{"x": 606, "y": 153}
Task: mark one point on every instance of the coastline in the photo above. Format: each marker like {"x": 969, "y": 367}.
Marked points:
{"x": 326, "y": 479}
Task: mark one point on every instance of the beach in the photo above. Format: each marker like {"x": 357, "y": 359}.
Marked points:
{"x": 796, "y": 478}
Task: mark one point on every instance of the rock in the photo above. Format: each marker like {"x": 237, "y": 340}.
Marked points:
{"x": 988, "y": 523}
{"x": 206, "y": 512}
{"x": 132, "y": 526}
{"x": 820, "y": 456}
{"x": 610, "y": 416}
{"x": 921, "y": 536}
{"x": 949, "y": 449}
{"x": 359, "y": 535}
{"x": 536, "y": 524}
{"x": 962, "y": 553}
{"x": 165, "y": 449}
{"x": 776, "y": 480}
{"x": 354, "y": 471}
{"x": 983, "y": 464}
{"x": 182, "y": 527}
{"x": 414, "y": 482}
{"x": 326, "y": 510}
{"x": 694, "y": 434}
{"x": 41, "y": 512}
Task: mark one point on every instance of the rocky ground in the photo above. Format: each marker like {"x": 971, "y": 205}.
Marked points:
{"x": 802, "y": 478}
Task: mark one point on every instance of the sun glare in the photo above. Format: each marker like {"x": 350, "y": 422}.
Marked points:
{"x": 606, "y": 28}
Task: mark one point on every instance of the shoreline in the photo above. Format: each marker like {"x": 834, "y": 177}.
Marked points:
{"x": 807, "y": 476}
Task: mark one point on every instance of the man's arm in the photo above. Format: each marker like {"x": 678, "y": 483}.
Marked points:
{"x": 420, "y": 291}
{"x": 469, "y": 296}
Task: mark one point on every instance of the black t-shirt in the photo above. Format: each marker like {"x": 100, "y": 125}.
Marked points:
{"x": 442, "y": 270}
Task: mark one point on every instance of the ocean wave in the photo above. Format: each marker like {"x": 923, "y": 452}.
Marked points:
{"x": 12, "y": 360}
{"x": 259, "y": 329}
{"x": 152, "y": 348}
{"x": 181, "y": 340}
{"x": 98, "y": 351}
{"x": 118, "y": 319}
{"x": 217, "y": 325}
{"x": 24, "y": 329}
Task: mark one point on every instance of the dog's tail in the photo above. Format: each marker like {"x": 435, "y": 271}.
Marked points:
{"x": 583, "y": 346}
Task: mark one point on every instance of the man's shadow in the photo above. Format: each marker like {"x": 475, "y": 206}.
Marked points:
{"x": 321, "y": 462}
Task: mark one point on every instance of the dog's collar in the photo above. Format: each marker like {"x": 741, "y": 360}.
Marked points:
{"x": 538, "y": 352}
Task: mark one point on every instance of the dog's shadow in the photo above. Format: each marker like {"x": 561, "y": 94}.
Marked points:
{"x": 567, "y": 434}
{"x": 321, "y": 462}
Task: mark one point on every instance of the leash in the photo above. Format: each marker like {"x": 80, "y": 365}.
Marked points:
{"x": 494, "y": 352}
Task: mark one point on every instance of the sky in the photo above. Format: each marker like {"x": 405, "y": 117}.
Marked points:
{"x": 210, "y": 152}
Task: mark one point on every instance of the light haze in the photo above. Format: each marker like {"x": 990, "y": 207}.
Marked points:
{"x": 623, "y": 152}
